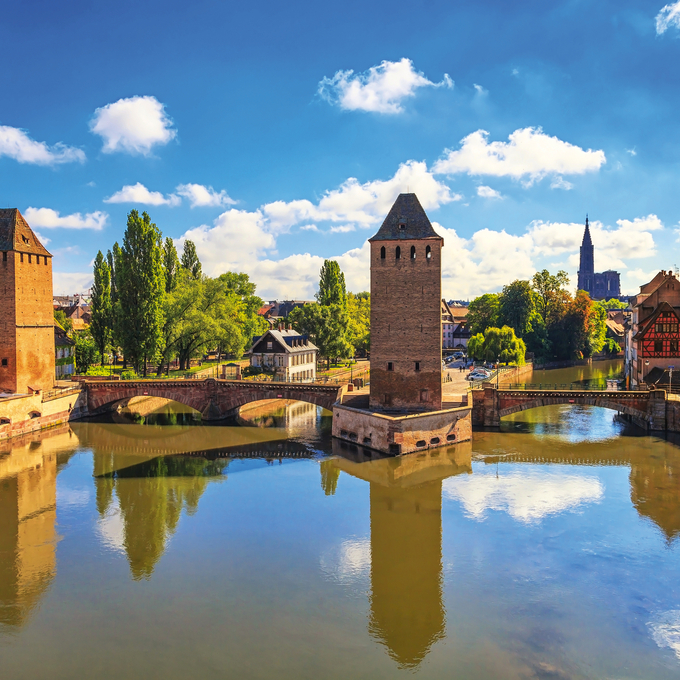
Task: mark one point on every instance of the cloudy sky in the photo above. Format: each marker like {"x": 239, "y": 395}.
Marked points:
{"x": 275, "y": 135}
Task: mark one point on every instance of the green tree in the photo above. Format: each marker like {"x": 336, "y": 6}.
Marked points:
{"x": 101, "y": 325}
{"x": 140, "y": 291}
{"x": 332, "y": 290}
{"x": 583, "y": 328}
{"x": 517, "y": 307}
{"x": 86, "y": 350}
{"x": 63, "y": 320}
{"x": 499, "y": 345}
{"x": 170, "y": 264}
{"x": 243, "y": 290}
{"x": 326, "y": 325}
{"x": 359, "y": 320}
{"x": 551, "y": 294}
{"x": 483, "y": 313}
{"x": 190, "y": 260}
{"x": 613, "y": 303}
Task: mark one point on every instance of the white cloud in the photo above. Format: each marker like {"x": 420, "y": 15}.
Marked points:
{"x": 487, "y": 192}
{"x": 202, "y": 196}
{"x": 16, "y": 144}
{"x": 667, "y": 17}
{"x": 138, "y": 193}
{"x": 527, "y": 497}
{"x": 632, "y": 152}
{"x": 134, "y": 125}
{"x": 46, "y": 218}
{"x": 381, "y": 89}
{"x": 529, "y": 155}
{"x": 362, "y": 204}
{"x": 480, "y": 91}
{"x": 665, "y": 630}
{"x": 68, "y": 283}
{"x": 559, "y": 182}
{"x": 342, "y": 229}
{"x": 43, "y": 239}
{"x": 309, "y": 227}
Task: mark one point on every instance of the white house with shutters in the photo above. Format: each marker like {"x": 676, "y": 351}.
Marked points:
{"x": 288, "y": 354}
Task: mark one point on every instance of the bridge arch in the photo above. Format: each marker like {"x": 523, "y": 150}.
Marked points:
{"x": 214, "y": 399}
{"x": 602, "y": 402}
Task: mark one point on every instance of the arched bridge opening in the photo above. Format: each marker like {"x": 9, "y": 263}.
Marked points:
{"x": 620, "y": 407}
{"x": 213, "y": 399}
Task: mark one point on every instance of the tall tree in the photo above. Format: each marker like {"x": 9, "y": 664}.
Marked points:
{"x": 551, "y": 294}
{"x": 499, "y": 345}
{"x": 141, "y": 290}
{"x": 483, "y": 313}
{"x": 332, "y": 290}
{"x": 170, "y": 264}
{"x": 190, "y": 260}
{"x": 516, "y": 307}
{"x": 101, "y": 325}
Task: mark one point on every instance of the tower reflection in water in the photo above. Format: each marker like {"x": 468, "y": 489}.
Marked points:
{"x": 407, "y": 612}
{"x": 28, "y": 514}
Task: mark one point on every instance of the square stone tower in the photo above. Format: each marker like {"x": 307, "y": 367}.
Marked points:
{"x": 406, "y": 337}
{"x": 26, "y": 310}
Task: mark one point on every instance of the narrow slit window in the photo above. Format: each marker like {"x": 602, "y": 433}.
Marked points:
{"x": 417, "y": 365}
{"x": 382, "y": 253}
{"x": 398, "y": 253}
{"x": 428, "y": 253}
{"x": 29, "y": 259}
{"x": 390, "y": 366}
{"x": 4, "y": 257}
{"x": 21, "y": 257}
{"x": 413, "y": 252}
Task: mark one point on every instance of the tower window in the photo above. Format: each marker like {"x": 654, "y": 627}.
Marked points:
{"x": 417, "y": 365}
{"x": 4, "y": 257}
{"x": 29, "y": 258}
{"x": 4, "y": 362}
{"x": 428, "y": 253}
{"x": 45, "y": 259}
{"x": 398, "y": 252}
{"x": 390, "y": 366}
{"x": 413, "y": 252}
{"x": 382, "y": 253}
{"x": 21, "y": 257}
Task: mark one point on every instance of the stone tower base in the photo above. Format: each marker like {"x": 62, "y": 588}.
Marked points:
{"x": 399, "y": 434}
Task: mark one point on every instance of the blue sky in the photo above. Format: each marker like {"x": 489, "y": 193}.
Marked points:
{"x": 278, "y": 134}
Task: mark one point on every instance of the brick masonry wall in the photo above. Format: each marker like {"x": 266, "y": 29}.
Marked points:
{"x": 406, "y": 326}
{"x": 27, "y": 326}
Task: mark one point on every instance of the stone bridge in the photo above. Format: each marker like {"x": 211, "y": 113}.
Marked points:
{"x": 645, "y": 408}
{"x": 214, "y": 399}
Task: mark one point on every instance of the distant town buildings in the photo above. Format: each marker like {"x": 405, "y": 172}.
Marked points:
{"x": 455, "y": 333}
{"x": 64, "y": 354}
{"x": 290, "y": 356}
{"x": 27, "y": 327}
{"x": 275, "y": 312}
{"x": 603, "y": 286}
{"x": 652, "y": 345}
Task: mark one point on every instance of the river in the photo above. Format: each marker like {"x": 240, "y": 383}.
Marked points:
{"x": 152, "y": 546}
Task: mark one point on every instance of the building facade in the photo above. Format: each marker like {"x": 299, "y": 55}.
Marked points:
{"x": 601, "y": 286}
{"x": 406, "y": 324}
{"x": 652, "y": 341}
{"x": 455, "y": 333}
{"x": 291, "y": 357}
{"x": 64, "y": 354}
{"x": 27, "y": 321}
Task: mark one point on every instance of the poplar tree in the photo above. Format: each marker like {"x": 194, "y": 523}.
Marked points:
{"x": 170, "y": 264}
{"x": 332, "y": 290}
{"x": 190, "y": 260}
{"x": 102, "y": 313}
{"x": 140, "y": 290}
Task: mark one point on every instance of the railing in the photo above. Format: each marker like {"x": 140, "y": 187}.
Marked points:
{"x": 60, "y": 392}
{"x": 599, "y": 386}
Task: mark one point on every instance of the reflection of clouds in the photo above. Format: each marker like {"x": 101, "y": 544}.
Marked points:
{"x": 666, "y": 630}
{"x": 111, "y": 529}
{"x": 74, "y": 497}
{"x": 348, "y": 561}
{"x": 526, "y": 496}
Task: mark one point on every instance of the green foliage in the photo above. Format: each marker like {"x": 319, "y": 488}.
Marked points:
{"x": 101, "y": 325}
{"x": 190, "y": 260}
{"x": 65, "y": 361}
{"x": 98, "y": 370}
{"x": 613, "y": 303}
{"x": 128, "y": 375}
{"x": 61, "y": 318}
{"x": 327, "y": 327}
{"x": 611, "y": 347}
{"x": 359, "y": 320}
{"x": 483, "y": 313}
{"x": 499, "y": 345}
{"x": 332, "y": 290}
{"x": 582, "y": 330}
{"x": 330, "y": 474}
{"x": 239, "y": 286}
{"x": 170, "y": 264}
{"x": 86, "y": 350}
{"x": 141, "y": 284}
{"x": 551, "y": 294}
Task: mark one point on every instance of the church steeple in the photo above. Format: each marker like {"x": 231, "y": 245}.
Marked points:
{"x": 586, "y": 270}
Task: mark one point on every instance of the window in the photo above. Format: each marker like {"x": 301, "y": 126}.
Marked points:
{"x": 390, "y": 366}
{"x": 398, "y": 252}
{"x": 425, "y": 395}
{"x": 4, "y": 362}
{"x": 428, "y": 253}
{"x": 4, "y": 257}
{"x": 674, "y": 346}
{"x": 46, "y": 259}
{"x": 21, "y": 257}
{"x": 417, "y": 365}
{"x": 658, "y": 346}
{"x": 382, "y": 253}
{"x": 420, "y": 443}
{"x": 29, "y": 258}
{"x": 413, "y": 252}
{"x": 402, "y": 226}
{"x": 270, "y": 345}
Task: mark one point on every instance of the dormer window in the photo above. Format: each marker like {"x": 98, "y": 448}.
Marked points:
{"x": 402, "y": 226}
{"x": 25, "y": 240}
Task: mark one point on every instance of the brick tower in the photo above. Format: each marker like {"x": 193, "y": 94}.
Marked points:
{"x": 406, "y": 337}
{"x": 26, "y": 312}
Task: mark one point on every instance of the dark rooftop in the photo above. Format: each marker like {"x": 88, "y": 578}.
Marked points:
{"x": 406, "y": 220}
{"x": 15, "y": 234}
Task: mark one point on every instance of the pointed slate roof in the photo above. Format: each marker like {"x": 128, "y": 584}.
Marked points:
{"x": 15, "y": 234}
{"x": 406, "y": 220}
{"x": 587, "y": 241}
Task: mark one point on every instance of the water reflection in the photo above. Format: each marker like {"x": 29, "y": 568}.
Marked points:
{"x": 406, "y": 608}
{"x": 28, "y": 514}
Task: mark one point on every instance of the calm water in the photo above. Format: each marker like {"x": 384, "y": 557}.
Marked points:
{"x": 548, "y": 550}
{"x": 594, "y": 374}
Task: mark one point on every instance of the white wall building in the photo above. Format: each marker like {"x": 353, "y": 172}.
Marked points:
{"x": 289, "y": 355}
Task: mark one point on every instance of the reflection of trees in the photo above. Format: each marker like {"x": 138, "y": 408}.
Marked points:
{"x": 407, "y": 610}
{"x": 329, "y": 477}
{"x": 151, "y": 496}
